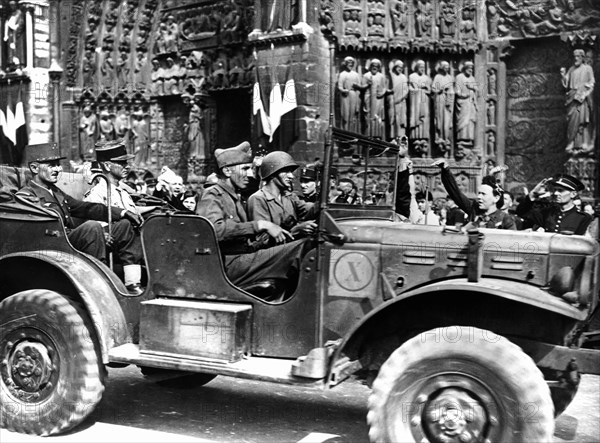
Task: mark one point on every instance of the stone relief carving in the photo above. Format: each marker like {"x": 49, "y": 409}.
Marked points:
{"x": 492, "y": 81}
{"x": 422, "y": 15}
{"x": 447, "y": 19}
{"x": 399, "y": 16}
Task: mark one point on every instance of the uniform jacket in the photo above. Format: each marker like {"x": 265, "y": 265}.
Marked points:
{"x": 497, "y": 219}
{"x": 552, "y": 219}
{"x": 287, "y": 212}
{"x": 223, "y": 207}
{"x": 119, "y": 197}
{"x": 66, "y": 206}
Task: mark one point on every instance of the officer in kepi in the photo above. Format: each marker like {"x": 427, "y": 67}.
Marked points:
{"x": 562, "y": 216}
{"x": 89, "y": 237}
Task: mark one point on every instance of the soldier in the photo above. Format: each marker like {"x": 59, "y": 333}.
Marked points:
{"x": 245, "y": 260}
{"x": 484, "y": 212}
{"x": 275, "y": 202}
{"x": 562, "y": 216}
{"x": 43, "y": 161}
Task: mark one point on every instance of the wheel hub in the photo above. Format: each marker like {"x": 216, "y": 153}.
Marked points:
{"x": 30, "y": 365}
{"x": 28, "y": 370}
{"x": 453, "y": 408}
{"x": 454, "y": 416}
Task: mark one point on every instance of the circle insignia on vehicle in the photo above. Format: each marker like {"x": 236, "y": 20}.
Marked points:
{"x": 353, "y": 271}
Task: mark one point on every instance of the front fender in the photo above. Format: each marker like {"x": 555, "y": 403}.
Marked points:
{"x": 509, "y": 290}
{"x": 96, "y": 294}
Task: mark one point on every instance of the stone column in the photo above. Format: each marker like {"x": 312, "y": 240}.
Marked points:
{"x": 29, "y": 47}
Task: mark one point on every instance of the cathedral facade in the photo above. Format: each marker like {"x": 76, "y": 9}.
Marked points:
{"x": 481, "y": 83}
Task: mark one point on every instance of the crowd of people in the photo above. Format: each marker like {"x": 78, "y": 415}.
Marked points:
{"x": 263, "y": 233}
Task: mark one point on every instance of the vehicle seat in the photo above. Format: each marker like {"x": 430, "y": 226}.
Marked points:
{"x": 270, "y": 289}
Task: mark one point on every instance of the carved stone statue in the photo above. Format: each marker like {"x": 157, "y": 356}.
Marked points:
{"x": 399, "y": 15}
{"x": 579, "y": 83}
{"x": 447, "y": 20}
{"x": 349, "y": 85}
{"x": 122, "y": 126}
{"x": 467, "y": 26}
{"x": 123, "y": 69}
{"x": 195, "y": 132}
{"x": 157, "y": 77}
{"x": 443, "y": 99}
{"x": 88, "y": 131}
{"x": 491, "y": 144}
{"x": 89, "y": 68}
{"x": 171, "y": 35}
{"x": 419, "y": 84}
{"x": 466, "y": 104}
{"x": 492, "y": 82}
{"x": 491, "y": 113}
{"x": 398, "y": 109}
{"x": 140, "y": 73}
{"x": 170, "y": 76}
{"x": 281, "y": 14}
{"x": 140, "y": 138}
{"x": 107, "y": 69}
{"x": 107, "y": 129}
{"x": 423, "y": 11}
{"x": 375, "y": 92}
{"x": 161, "y": 38}
{"x": 14, "y": 36}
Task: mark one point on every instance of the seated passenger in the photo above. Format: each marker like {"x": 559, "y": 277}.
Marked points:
{"x": 562, "y": 215}
{"x": 425, "y": 202}
{"x": 484, "y": 212}
{"x": 43, "y": 161}
{"x": 276, "y": 203}
{"x": 113, "y": 160}
{"x": 348, "y": 193}
{"x": 246, "y": 261}
{"x": 170, "y": 188}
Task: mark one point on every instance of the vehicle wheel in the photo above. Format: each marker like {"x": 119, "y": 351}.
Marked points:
{"x": 460, "y": 384}
{"x": 50, "y": 375}
{"x": 176, "y": 379}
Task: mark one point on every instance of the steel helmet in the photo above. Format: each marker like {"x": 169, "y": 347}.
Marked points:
{"x": 276, "y": 161}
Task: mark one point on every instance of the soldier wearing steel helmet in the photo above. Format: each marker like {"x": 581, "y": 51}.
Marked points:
{"x": 276, "y": 203}
{"x": 246, "y": 260}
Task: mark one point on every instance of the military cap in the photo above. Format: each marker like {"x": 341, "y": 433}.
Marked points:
{"x": 234, "y": 156}
{"x": 113, "y": 150}
{"x": 568, "y": 182}
{"x": 42, "y": 153}
{"x": 151, "y": 181}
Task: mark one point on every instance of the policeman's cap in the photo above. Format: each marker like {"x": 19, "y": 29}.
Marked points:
{"x": 113, "y": 150}
{"x": 568, "y": 182}
{"x": 309, "y": 173}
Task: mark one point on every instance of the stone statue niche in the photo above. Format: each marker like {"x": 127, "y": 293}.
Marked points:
{"x": 578, "y": 82}
{"x": 13, "y": 39}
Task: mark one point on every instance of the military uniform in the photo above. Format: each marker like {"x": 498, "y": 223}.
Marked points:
{"x": 496, "y": 220}
{"x": 286, "y": 212}
{"x": 245, "y": 261}
{"x": 89, "y": 236}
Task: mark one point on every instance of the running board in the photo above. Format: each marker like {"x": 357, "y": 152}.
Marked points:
{"x": 254, "y": 368}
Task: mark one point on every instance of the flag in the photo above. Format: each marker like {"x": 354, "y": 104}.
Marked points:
{"x": 275, "y": 104}
{"x": 258, "y": 107}
{"x": 13, "y": 127}
{"x": 289, "y": 93}
{"x": 20, "y": 123}
{"x": 10, "y": 131}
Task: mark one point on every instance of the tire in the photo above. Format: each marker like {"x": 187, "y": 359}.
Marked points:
{"x": 460, "y": 384}
{"x": 51, "y": 377}
{"x": 176, "y": 379}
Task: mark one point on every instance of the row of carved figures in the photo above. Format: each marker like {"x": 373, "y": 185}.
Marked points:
{"x": 105, "y": 124}
{"x": 398, "y": 105}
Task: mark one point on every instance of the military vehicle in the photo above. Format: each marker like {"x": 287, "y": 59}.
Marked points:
{"x": 470, "y": 337}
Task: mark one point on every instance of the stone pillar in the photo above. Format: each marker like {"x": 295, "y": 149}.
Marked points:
{"x": 29, "y": 47}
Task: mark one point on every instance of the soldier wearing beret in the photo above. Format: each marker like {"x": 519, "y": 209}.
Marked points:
{"x": 562, "y": 216}
{"x": 245, "y": 261}
{"x": 44, "y": 164}
{"x": 112, "y": 158}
